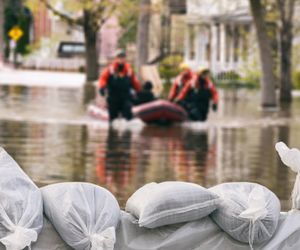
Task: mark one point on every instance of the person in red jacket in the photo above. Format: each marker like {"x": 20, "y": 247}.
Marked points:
{"x": 118, "y": 80}
{"x": 180, "y": 82}
{"x": 202, "y": 91}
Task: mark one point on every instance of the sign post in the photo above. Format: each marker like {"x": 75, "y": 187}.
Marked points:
{"x": 15, "y": 33}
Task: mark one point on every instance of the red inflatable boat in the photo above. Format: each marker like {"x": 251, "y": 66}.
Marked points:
{"x": 159, "y": 111}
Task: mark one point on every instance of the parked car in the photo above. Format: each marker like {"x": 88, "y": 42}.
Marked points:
{"x": 71, "y": 49}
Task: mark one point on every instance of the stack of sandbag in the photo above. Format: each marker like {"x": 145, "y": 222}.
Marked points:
{"x": 84, "y": 215}
{"x": 21, "y": 207}
{"x": 248, "y": 212}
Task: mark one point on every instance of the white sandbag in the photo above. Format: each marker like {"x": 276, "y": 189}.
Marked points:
{"x": 248, "y": 212}
{"x": 203, "y": 234}
{"x": 49, "y": 239}
{"x": 166, "y": 203}
{"x": 21, "y": 207}
{"x": 291, "y": 158}
{"x": 85, "y": 215}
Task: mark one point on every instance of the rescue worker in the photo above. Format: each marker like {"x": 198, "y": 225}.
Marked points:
{"x": 180, "y": 82}
{"x": 201, "y": 91}
{"x": 118, "y": 80}
{"x": 145, "y": 95}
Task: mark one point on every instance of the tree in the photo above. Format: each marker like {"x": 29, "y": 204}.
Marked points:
{"x": 129, "y": 23}
{"x": 280, "y": 13}
{"x": 16, "y": 14}
{"x": 93, "y": 15}
{"x": 286, "y": 14}
{"x": 265, "y": 52}
{"x": 143, "y": 34}
{"x": 1, "y": 29}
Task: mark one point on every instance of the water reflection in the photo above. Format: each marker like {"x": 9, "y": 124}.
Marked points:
{"x": 228, "y": 148}
{"x": 115, "y": 163}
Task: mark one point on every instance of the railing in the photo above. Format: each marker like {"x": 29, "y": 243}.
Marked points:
{"x": 54, "y": 64}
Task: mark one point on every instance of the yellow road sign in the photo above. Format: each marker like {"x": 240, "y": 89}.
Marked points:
{"x": 15, "y": 33}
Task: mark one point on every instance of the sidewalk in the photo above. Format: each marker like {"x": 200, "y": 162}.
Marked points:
{"x": 9, "y": 76}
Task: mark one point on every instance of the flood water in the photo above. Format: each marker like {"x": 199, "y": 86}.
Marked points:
{"x": 49, "y": 134}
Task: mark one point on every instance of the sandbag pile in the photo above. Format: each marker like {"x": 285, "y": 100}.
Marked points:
{"x": 167, "y": 215}
{"x": 248, "y": 212}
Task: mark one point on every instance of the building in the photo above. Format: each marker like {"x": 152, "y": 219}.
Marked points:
{"x": 41, "y": 22}
{"x": 218, "y": 34}
{"x": 167, "y": 24}
{"x": 221, "y": 35}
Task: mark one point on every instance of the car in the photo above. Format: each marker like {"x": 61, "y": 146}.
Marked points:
{"x": 71, "y": 49}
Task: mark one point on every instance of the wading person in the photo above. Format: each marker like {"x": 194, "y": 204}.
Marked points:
{"x": 202, "y": 92}
{"x": 179, "y": 84}
{"x": 118, "y": 81}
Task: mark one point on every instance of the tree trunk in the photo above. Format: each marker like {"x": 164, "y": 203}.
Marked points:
{"x": 286, "y": 10}
{"x": 286, "y": 38}
{"x": 91, "y": 55}
{"x": 1, "y": 30}
{"x": 143, "y": 34}
{"x": 266, "y": 58}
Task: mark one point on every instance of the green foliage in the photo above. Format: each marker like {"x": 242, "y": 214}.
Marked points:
{"x": 169, "y": 67}
{"x": 129, "y": 22}
{"x": 232, "y": 79}
{"x": 296, "y": 79}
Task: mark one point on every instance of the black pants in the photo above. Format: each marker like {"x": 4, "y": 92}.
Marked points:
{"x": 199, "y": 111}
{"x": 117, "y": 106}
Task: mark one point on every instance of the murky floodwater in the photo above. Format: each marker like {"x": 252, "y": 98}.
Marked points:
{"x": 49, "y": 134}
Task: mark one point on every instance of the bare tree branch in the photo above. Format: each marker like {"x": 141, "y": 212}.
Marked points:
{"x": 67, "y": 18}
{"x": 128, "y": 28}
{"x": 108, "y": 14}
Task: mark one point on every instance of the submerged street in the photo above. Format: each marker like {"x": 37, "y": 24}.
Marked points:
{"x": 47, "y": 130}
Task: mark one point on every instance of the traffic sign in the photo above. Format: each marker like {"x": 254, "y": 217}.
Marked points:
{"x": 15, "y": 33}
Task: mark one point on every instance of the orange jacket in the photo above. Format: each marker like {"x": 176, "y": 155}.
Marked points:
{"x": 112, "y": 69}
{"x": 194, "y": 83}
{"x": 178, "y": 85}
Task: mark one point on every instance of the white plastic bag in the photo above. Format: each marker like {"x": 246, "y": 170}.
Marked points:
{"x": 21, "y": 207}
{"x": 85, "y": 215}
{"x": 291, "y": 158}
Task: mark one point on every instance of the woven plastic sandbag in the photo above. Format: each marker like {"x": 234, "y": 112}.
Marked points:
{"x": 49, "y": 239}
{"x": 249, "y": 212}
{"x": 171, "y": 202}
{"x": 291, "y": 158}
{"x": 21, "y": 207}
{"x": 85, "y": 215}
